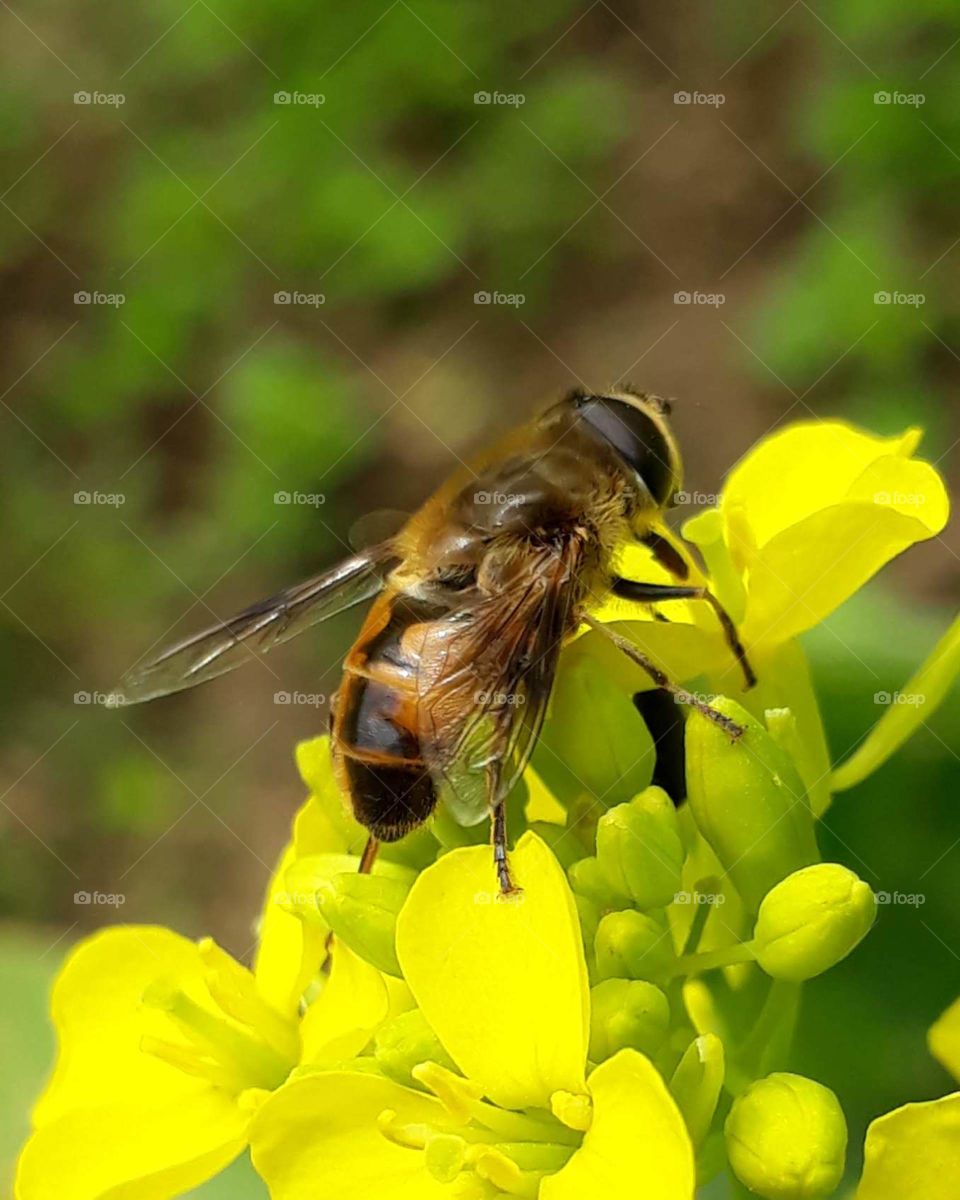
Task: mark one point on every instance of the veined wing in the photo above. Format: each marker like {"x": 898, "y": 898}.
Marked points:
{"x": 485, "y": 679}
{"x": 257, "y": 629}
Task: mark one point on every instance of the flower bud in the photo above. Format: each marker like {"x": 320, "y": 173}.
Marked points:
{"x": 627, "y": 1013}
{"x": 748, "y": 801}
{"x": 363, "y": 910}
{"x": 306, "y": 875}
{"x": 633, "y": 945}
{"x": 588, "y": 880}
{"x": 696, "y": 1084}
{"x": 611, "y": 755}
{"x": 811, "y": 921}
{"x": 404, "y": 1043}
{"x": 639, "y": 849}
{"x": 787, "y": 1138}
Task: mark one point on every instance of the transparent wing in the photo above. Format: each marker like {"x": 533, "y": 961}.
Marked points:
{"x": 257, "y": 629}
{"x": 485, "y": 679}
{"x": 376, "y": 528}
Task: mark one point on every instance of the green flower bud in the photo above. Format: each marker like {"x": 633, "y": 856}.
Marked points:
{"x": 627, "y": 1013}
{"x": 639, "y": 849}
{"x": 612, "y": 755}
{"x": 633, "y": 945}
{"x": 306, "y": 875}
{"x": 588, "y": 880}
{"x": 405, "y": 1042}
{"x": 748, "y": 801}
{"x": 787, "y": 1138}
{"x": 363, "y": 910}
{"x": 811, "y": 921}
{"x": 696, "y": 1084}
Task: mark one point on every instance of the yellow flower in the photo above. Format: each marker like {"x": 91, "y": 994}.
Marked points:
{"x": 805, "y": 519}
{"x": 114, "y": 1114}
{"x": 814, "y": 511}
{"x": 503, "y": 983}
{"x": 167, "y": 1046}
{"x": 915, "y": 1150}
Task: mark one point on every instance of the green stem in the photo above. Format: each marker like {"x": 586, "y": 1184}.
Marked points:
{"x": 773, "y": 1030}
{"x": 710, "y": 960}
{"x": 703, "y": 887}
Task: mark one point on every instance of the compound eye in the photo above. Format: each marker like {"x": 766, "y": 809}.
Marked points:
{"x": 638, "y": 439}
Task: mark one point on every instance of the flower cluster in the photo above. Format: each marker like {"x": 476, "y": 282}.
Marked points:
{"x": 621, "y": 1026}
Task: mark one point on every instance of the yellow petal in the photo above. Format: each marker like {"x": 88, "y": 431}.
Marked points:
{"x": 944, "y": 1039}
{"x": 318, "y": 1136}
{"x": 707, "y": 532}
{"x": 289, "y": 951}
{"x": 637, "y": 1144}
{"x": 913, "y": 1152}
{"x": 921, "y": 697}
{"x": 343, "y": 1018}
{"x": 807, "y": 570}
{"x": 800, "y": 470}
{"x": 633, "y": 560}
{"x": 502, "y": 981}
{"x": 813, "y": 512}
{"x": 99, "y": 1020}
{"x": 142, "y": 1148}
{"x": 906, "y": 485}
{"x": 324, "y": 823}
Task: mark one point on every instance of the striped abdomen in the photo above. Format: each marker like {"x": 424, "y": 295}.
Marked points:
{"x": 376, "y": 750}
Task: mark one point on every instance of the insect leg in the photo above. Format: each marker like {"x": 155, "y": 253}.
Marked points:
{"x": 662, "y": 681}
{"x": 369, "y": 855}
{"x": 666, "y": 554}
{"x": 651, "y": 593}
{"x": 498, "y": 832}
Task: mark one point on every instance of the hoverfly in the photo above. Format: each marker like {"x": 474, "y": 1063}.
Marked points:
{"x": 445, "y": 689}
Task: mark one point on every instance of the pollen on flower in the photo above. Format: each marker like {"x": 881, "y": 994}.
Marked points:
{"x": 573, "y": 1110}
{"x": 446, "y": 1155}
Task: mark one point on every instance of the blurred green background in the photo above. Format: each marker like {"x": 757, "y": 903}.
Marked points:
{"x": 187, "y": 166}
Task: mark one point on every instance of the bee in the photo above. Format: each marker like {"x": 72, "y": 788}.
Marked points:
{"x": 446, "y": 687}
